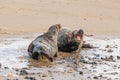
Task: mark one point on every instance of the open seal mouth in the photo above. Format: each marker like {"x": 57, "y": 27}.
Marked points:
{"x": 78, "y": 37}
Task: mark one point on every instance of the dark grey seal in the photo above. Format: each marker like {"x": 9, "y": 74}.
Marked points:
{"x": 70, "y": 40}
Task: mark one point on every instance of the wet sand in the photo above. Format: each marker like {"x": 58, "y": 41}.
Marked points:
{"x": 35, "y": 16}
{"x": 99, "y": 63}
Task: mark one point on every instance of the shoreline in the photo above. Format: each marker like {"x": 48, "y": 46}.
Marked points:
{"x": 98, "y": 36}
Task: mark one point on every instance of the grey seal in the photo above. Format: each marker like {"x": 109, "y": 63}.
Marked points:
{"x": 45, "y": 44}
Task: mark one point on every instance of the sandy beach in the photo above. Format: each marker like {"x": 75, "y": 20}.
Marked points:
{"x": 21, "y": 21}
{"x": 34, "y": 16}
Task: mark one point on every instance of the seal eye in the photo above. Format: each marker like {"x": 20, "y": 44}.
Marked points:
{"x": 81, "y": 32}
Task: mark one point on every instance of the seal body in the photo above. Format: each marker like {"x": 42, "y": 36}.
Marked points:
{"x": 70, "y": 40}
{"x": 45, "y": 44}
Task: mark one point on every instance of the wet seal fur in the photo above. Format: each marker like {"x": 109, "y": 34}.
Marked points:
{"x": 45, "y": 45}
{"x": 70, "y": 41}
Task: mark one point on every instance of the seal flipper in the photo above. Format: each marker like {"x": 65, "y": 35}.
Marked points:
{"x": 49, "y": 58}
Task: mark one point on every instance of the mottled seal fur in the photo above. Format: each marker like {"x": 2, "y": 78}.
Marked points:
{"x": 45, "y": 44}
{"x": 70, "y": 40}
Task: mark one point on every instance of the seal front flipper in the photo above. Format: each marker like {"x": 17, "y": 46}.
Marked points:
{"x": 47, "y": 56}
